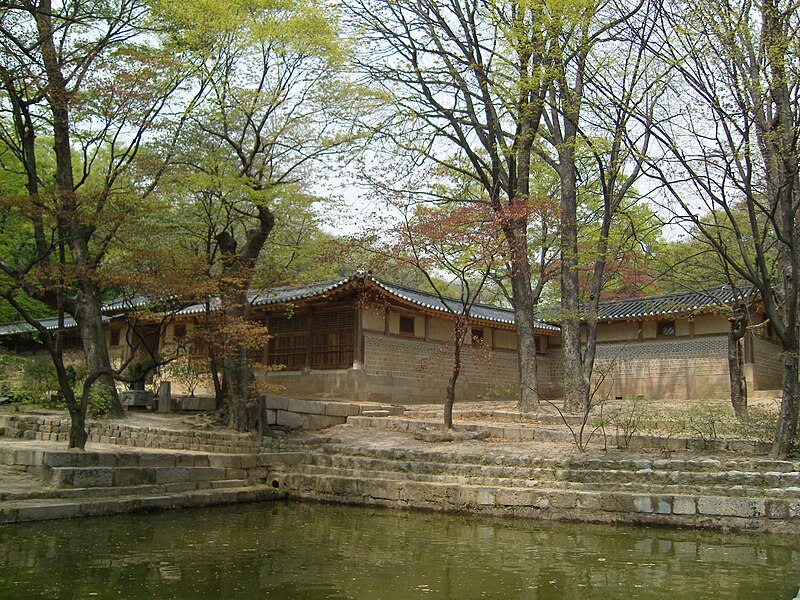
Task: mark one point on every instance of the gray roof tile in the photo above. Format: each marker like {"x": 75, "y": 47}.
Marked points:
{"x": 673, "y": 304}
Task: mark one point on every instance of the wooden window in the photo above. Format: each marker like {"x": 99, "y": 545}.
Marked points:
{"x": 666, "y": 328}
{"x": 115, "y": 334}
{"x": 333, "y": 339}
{"x": 288, "y": 345}
{"x": 179, "y": 332}
{"x": 325, "y": 340}
{"x": 407, "y": 325}
{"x": 477, "y": 336}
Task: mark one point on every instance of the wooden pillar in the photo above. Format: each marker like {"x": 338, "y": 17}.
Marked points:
{"x": 358, "y": 340}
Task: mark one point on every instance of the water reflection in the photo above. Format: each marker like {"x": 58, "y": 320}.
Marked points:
{"x": 310, "y": 551}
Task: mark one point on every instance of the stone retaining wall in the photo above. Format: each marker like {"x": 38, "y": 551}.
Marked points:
{"x": 56, "y": 429}
{"x": 744, "y": 494}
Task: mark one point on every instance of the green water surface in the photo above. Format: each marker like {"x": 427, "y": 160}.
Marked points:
{"x": 313, "y": 551}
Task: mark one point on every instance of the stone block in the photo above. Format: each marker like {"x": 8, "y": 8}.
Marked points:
{"x": 731, "y": 507}
{"x": 82, "y": 477}
{"x": 485, "y": 497}
{"x": 664, "y": 505}
{"x": 46, "y": 512}
{"x": 564, "y": 500}
{"x": 292, "y": 420}
{"x": 321, "y": 421}
{"x": 375, "y": 413}
{"x": 276, "y": 402}
{"x": 684, "y": 505}
{"x": 514, "y": 497}
{"x": 129, "y": 476}
{"x": 777, "y": 509}
{"x": 28, "y": 457}
{"x": 588, "y": 501}
{"x": 310, "y": 407}
{"x": 101, "y": 507}
{"x": 232, "y": 473}
{"x": 229, "y": 461}
{"x": 381, "y": 490}
{"x": 188, "y": 403}
{"x": 341, "y": 409}
{"x": 172, "y": 475}
{"x": 643, "y": 504}
{"x": 272, "y": 416}
{"x": 156, "y": 460}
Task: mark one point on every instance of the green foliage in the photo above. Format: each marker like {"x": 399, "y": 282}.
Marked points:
{"x": 495, "y": 391}
{"x": 27, "y": 380}
{"x": 190, "y": 373}
{"x": 99, "y": 405}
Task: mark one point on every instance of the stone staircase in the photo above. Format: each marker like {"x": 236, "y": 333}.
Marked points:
{"x": 154, "y": 470}
{"x": 747, "y": 494}
{"x": 99, "y": 470}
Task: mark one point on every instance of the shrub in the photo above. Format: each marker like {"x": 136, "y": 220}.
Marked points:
{"x": 709, "y": 420}
{"x": 99, "y": 405}
{"x": 628, "y": 419}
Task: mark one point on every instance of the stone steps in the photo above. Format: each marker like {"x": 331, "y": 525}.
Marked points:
{"x": 600, "y": 477}
{"x": 737, "y": 493}
{"x": 71, "y": 474}
{"x": 40, "y": 509}
{"x": 648, "y": 486}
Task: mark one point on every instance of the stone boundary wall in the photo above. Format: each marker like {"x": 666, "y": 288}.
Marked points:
{"x": 767, "y": 367}
{"x": 665, "y": 369}
{"x": 416, "y": 371}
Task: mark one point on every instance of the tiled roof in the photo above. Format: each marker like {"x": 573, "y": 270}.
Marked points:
{"x": 432, "y": 301}
{"x": 124, "y": 303}
{"x": 673, "y": 304}
{"x": 279, "y": 295}
{"x": 428, "y": 300}
{"x": 49, "y": 323}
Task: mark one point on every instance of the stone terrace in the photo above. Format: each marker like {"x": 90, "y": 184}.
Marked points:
{"x": 501, "y": 478}
{"x": 527, "y": 468}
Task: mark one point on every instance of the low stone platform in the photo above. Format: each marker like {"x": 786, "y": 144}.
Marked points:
{"x": 42, "y": 480}
{"x": 44, "y": 509}
{"x": 318, "y": 414}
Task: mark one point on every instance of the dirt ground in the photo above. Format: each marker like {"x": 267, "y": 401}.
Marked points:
{"x": 467, "y": 413}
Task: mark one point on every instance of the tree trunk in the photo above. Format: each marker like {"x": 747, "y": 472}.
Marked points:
{"x": 239, "y": 377}
{"x": 460, "y": 331}
{"x": 88, "y": 315}
{"x": 77, "y": 430}
{"x": 575, "y": 385}
{"x": 786, "y": 429}
{"x": 528, "y": 399}
{"x": 243, "y": 412}
{"x": 736, "y": 331}
{"x": 95, "y": 352}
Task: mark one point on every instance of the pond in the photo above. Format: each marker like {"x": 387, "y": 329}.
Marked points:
{"x": 312, "y": 551}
